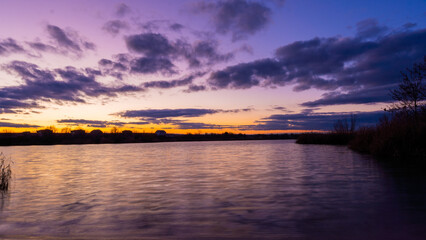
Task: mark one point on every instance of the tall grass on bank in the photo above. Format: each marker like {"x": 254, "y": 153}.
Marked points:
{"x": 401, "y": 137}
{"x": 343, "y": 132}
{"x": 5, "y": 173}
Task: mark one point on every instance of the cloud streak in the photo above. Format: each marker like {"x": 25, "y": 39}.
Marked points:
{"x": 173, "y": 113}
{"x": 91, "y": 123}
{"x": 17, "y": 125}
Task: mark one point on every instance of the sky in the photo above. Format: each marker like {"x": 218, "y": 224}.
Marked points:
{"x": 198, "y": 66}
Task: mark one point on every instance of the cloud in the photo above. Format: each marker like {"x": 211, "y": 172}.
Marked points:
{"x": 182, "y": 124}
{"x": 67, "y": 84}
{"x": 169, "y": 114}
{"x": 114, "y": 27}
{"x": 172, "y": 83}
{"x": 90, "y": 123}
{"x": 195, "y": 88}
{"x": 362, "y": 96}
{"x": 206, "y": 49}
{"x": 113, "y": 68}
{"x": 14, "y": 106}
{"x": 282, "y": 109}
{"x": 17, "y": 125}
{"x": 311, "y": 121}
{"x": 152, "y": 65}
{"x": 10, "y": 45}
{"x": 369, "y": 28}
{"x": 69, "y": 41}
{"x": 42, "y": 47}
{"x": 122, "y": 10}
{"x": 138, "y": 123}
{"x": 156, "y": 46}
{"x": 61, "y": 38}
{"x": 348, "y": 67}
{"x": 247, "y": 75}
{"x": 238, "y": 17}
{"x": 166, "y": 113}
{"x": 168, "y": 84}
{"x": 64, "y": 42}
{"x": 176, "y": 27}
{"x": 149, "y": 44}
{"x": 199, "y": 125}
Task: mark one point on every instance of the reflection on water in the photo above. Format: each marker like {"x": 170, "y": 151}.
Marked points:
{"x": 214, "y": 190}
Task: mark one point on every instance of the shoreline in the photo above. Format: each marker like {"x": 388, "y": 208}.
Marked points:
{"x": 33, "y": 139}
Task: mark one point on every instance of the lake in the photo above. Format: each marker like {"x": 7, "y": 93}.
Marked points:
{"x": 208, "y": 190}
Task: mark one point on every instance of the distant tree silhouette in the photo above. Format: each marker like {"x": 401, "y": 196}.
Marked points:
{"x": 66, "y": 130}
{"x": 411, "y": 93}
{"x": 345, "y": 126}
{"x": 53, "y": 128}
{"x": 115, "y": 129}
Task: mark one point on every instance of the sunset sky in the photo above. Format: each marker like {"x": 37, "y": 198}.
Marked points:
{"x": 203, "y": 66}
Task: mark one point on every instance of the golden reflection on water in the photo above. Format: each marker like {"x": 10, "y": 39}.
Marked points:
{"x": 232, "y": 190}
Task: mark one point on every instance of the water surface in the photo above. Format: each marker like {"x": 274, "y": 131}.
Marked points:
{"x": 208, "y": 190}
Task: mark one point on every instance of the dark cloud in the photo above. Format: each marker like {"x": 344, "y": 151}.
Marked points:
{"x": 42, "y": 47}
{"x": 157, "y": 46}
{"x": 176, "y": 27}
{"x": 14, "y": 106}
{"x": 10, "y": 45}
{"x": 68, "y": 84}
{"x": 312, "y": 121}
{"x": 172, "y": 83}
{"x": 237, "y": 110}
{"x": 64, "y": 43}
{"x": 122, "y": 10}
{"x": 350, "y": 67}
{"x": 69, "y": 41}
{"x": 409, "y": 25}
{"x": 90, "y": 123}
{"x": 114, "y": 27}
{"x": 181, "y": 124}
{"x": 247, "y": 75}
{"x": 166, "y": 113}
{"x": 195, "y": 88}
{"x": 150, "y": 44}
{"x": 138, "y": 123}
{"x": 105, "y": 62}
{"x": 111, "y": 68}
{"x": 169, "y": 114}
{"x": 208, "y": 50}
{"x": 168, "y": 84}
{"x": 370, "y": 28}
{"x": 282, "y": 109}
{"x": 61, "y": 38}
{"x": 239, "y": 17}
{"x": 115, "y": 66}
{"x": 198, "y": 125}
{"x": 148, "y": 65}
{"x": 17, "y": 125}
{"x": 361, "y": 96}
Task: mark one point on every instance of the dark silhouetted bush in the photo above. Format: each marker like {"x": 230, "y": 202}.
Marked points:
{"x": 5, "y": 173}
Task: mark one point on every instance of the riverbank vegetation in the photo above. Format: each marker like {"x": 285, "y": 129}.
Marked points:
{"x": 399, "y": 135}
{"x": 47, "y": 137}
{"x": 5, "y": 173}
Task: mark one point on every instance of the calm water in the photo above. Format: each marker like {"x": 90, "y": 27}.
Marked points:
{"x": 208, "y": 190}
